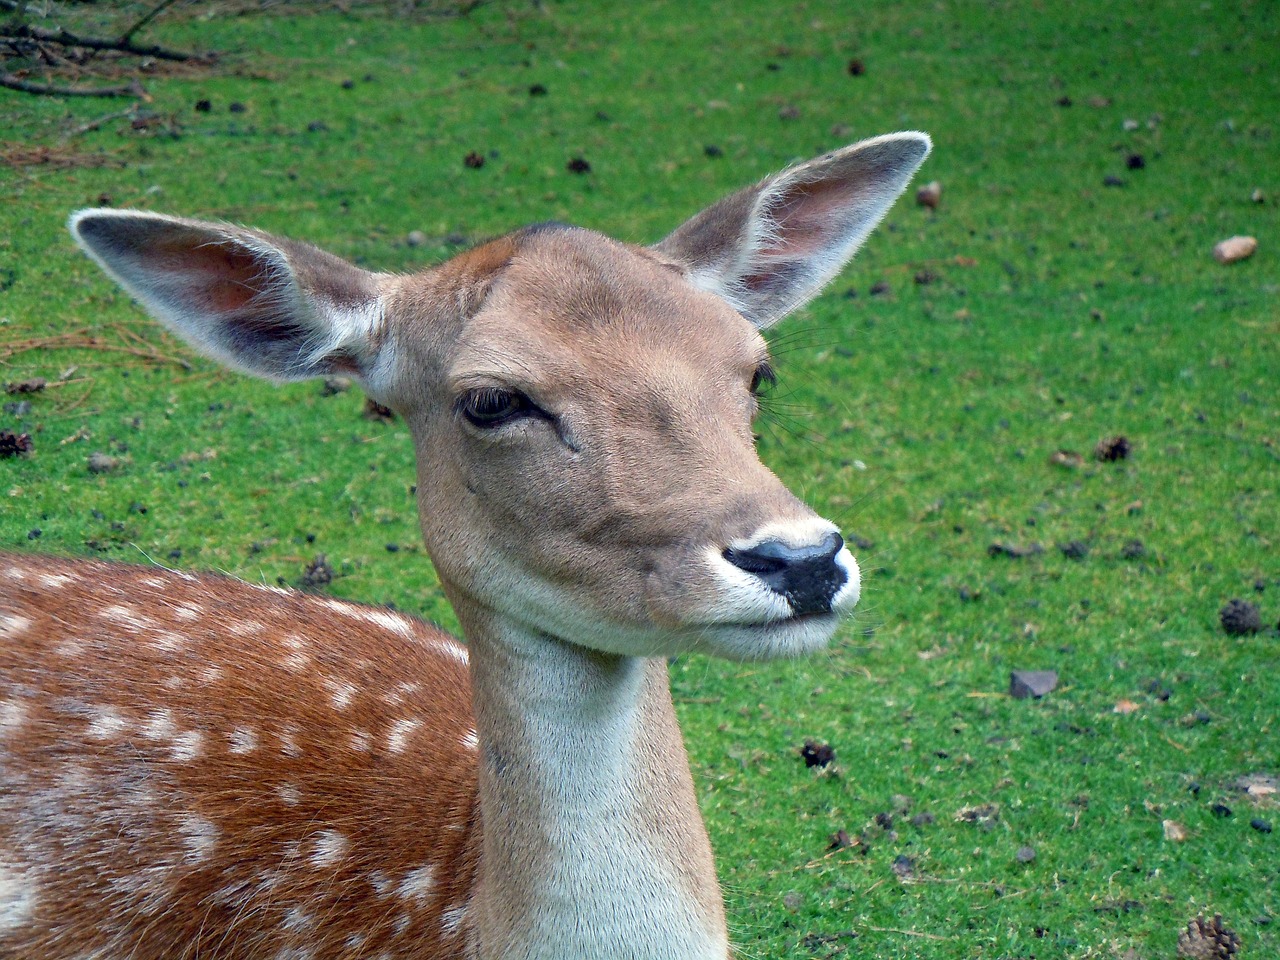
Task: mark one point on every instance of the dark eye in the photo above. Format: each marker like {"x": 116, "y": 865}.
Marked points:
{"x": 763, "y": 378}
{"x": 491, "y": 407}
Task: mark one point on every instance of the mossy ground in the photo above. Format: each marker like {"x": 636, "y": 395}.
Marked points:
{"x": 1038, "y": 309}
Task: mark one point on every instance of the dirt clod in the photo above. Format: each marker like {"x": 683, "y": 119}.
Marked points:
{"x": 1262, "y": 826}
{"x": 33, "y": 385}
{"x": 578, "y": 165}
{"x": 1135, "y": 161}
{"x": 538, "y": 90}
{"x": 1074, "y": 549}
{"x": 1208, "y": 940}
{"x": 15, "y": 444}
{"x": 856, "y": 67}
{"x": 99, "y": 462}
{"x": 375, "y": 411}
{"x": 317, "y": 574}
{"x": 1015, "y": 550}
{"x": 840, "y": 840}
{"x": 473, "y": 160}
{"x": 1240, "y": 617}
{"x": 816, "y": 754}
{"x": 1111, "y": 449}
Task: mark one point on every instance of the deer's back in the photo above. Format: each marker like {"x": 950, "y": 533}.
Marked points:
{"x": 224, "y": 770}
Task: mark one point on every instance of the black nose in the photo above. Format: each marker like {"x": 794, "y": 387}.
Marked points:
{"x": 808, "y": 577}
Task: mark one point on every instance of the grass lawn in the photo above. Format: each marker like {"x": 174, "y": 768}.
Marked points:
{"x": 1063, "y": 292}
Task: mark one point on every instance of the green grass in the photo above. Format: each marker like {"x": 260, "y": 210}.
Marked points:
{"x": 1058, "y": 311}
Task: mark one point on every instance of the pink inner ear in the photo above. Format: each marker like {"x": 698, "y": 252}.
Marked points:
{"x": 228, "y": 276}
{"x": 809, "y": 217}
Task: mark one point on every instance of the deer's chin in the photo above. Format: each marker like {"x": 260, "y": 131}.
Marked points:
{"x": 774, "y": 640}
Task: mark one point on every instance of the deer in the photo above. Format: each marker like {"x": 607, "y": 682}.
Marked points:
{"x": 193, "y": 766}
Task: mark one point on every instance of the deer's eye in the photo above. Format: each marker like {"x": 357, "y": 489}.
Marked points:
{"x": 491, "y": 407}
{"x": 763, "y": 379}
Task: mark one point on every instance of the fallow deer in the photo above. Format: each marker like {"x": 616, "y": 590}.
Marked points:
{"x": 195, "y": 767}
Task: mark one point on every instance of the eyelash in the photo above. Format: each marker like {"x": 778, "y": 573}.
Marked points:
{"x": 763, "y": 378}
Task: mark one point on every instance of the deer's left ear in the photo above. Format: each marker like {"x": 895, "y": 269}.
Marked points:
{"x": 265, "y": 305}
{"x": 772, "y": 247}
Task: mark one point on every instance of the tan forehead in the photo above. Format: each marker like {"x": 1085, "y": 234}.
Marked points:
{"x": 571, "y": 291}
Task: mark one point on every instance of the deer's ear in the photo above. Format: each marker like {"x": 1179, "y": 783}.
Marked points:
{"x": 772, "y": 247}
{"x": 267, "y": 306}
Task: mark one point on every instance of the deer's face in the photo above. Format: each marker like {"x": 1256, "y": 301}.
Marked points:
{"x": 587, "y": 464}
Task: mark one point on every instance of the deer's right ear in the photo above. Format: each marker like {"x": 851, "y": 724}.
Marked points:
{"x": 267, "y": 306}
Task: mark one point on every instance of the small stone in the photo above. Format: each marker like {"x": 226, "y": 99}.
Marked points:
{"x": 1174, "y": 831}
{"x": 1026, "y": 684}
{"x": 856, "y": 67}
{"x": 537, "y": 90}
{"x": 922, "y": 819}
{"x": 1262, "y": 826}
{"x": 1133, "y": 550}
{"x": 711, "y": 150}
{"x": 904, "y": 866}
{"x": 578, "y": 165}
{"x": 793, "y": 901}
{"x": 1235, "y": 249}
{"x": 930, "y": 195}
{"x": 102, "y": 463}
{"x": 1025, "y": 854}
{"x": 203, "y": 106}
{"x": 237, "y": 107}
{"x": 1066, "y": 458}
{"x": 1111, "y": 180}
{"x": 1135, "y": 161}
{"x": 1239, "y": 617}
{"x": 473, "y": 160}
{"x": 415, "y": 238}
{"x": 1130, "y": 125}
{"x": 1258, "y": 196}
{"x": 1220, "y": 810}
{"x": 348, "y": 84}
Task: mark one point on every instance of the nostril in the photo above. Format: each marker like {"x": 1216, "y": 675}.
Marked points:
{"x": 808, "y": 576}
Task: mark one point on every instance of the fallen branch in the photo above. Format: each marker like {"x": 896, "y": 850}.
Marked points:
{"x": 83, "y": 340}
{"x": 65, "y": 38}
{"x": 130, "y": 89}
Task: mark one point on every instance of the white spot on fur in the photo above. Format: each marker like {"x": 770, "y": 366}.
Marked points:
{"x": 107, "y": 724}
{"x": 188, "y": 612}
{"x": 12, "y": 624}
{"x": 289, "y": 741}
{"x": 389, "y": 621}
{"x": 15, "y": 573}
{"x": 127, "y": 617}
{"x": 331, "y": 848}
{"x": 55, "y": 581}
{"x": 159, "y": 725}
{"x": 417, "y": 885}
{"x": 155, "y": 583}
{"x": 381, "y": 883}
{"x": 210, "y": 674}
{"x": 243, "y": 740}
{"x": 341, "y": 694}
{"x": 451, "y": 920}
{"x": 17, "y": 898}
{"x": 245, "y": 628}
{"x": 13, "y": 714}
{"x": 69, "y": 649}
{"x": 398, "y": 738}
{"x": 455, "y": 650}
{"x": 470, "y": 740}
{"x": 186, "y": 746}
{"x": 168, "y": 642}
{"x": 402, "y": 925}
{"x": 296, "y": 919}
{"x": 361, "y": 741}
{"x": 355, "y": 942}
{"x": 288, "y": 794}
{"x": 294, "y": 953}
{"x": 199, "y": 836}
{"x": 175, "y": 682}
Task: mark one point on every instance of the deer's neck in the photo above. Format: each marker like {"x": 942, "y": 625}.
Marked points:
{"x": 593, "y": 844}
